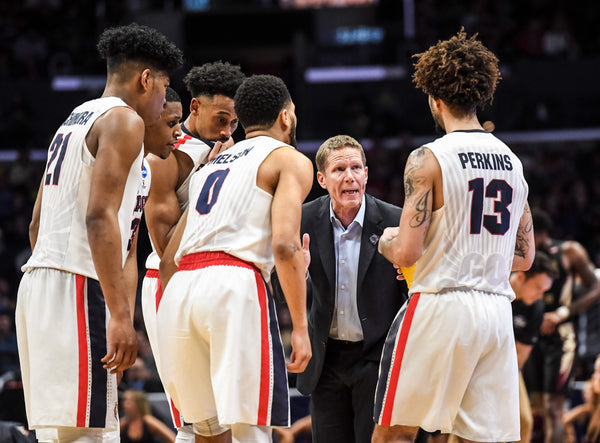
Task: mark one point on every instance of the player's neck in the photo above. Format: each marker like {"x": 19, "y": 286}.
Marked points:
{"x": 271, "y": 132}
{"x": 119, "y": 91}
{"x": 452, "y": 123}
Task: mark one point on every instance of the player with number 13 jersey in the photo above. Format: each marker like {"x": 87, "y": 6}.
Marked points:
{"x": 484, "y": 192}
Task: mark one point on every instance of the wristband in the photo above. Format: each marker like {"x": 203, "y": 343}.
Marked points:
{"x": 563, "y": 312}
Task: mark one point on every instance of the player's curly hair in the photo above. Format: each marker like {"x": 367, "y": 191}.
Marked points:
{"x": 214, "y": 78}
{"x": 139, "y": 43}
{"x": 259, "y": 100}
{"x": 460, "y": 71}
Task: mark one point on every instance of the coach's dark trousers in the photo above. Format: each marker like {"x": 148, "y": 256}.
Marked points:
{"x": 342, "y": 402}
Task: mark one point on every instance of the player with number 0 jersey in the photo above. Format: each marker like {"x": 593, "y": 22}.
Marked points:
{"x": 221, "y": 355}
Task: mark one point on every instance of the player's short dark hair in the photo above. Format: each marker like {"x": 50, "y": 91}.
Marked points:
{"x": 260, "y": 99}
{"x": 216, "y": 78}
{"x": 172, "y": 96}
{"x": 542, "y": 223}
{"x": 139, "y": 43}
{"x": 542, "y": 264}
{"x": 460, "y": 71}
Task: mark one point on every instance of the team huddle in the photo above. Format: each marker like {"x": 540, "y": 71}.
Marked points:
{"x": 230, "y": 232}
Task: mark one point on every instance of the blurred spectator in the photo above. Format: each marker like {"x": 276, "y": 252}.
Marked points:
{"x": 139, "y": 378}
{"x": 577, "y": 418}
{"x": 138, "y": 424}
{"x": 558, "y": 40}
{"x": 9, "y": 355}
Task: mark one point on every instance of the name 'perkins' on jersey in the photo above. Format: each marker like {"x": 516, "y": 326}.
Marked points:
{"x": 471, "y": 240}
{"x": 62, "y": 241}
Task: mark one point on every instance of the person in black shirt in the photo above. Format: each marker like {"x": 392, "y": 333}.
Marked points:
{"x": 548, "y": 371}
{"x": 528, "y": 314}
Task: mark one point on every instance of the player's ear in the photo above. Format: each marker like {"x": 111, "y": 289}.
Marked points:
{"x": 285, "y": 119}
{"x": 194, "y": 105}
{"x": 146, "y": 79}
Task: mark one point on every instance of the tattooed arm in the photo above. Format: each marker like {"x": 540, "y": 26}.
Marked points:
{"x": 524, "y": 245}
{"x": 403, "y": 245}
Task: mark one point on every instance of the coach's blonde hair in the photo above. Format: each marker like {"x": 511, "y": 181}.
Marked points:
{"x": 334, "y": 143}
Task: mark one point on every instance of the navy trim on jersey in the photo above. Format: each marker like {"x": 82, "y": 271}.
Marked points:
{"x": 99, "y": 379}
{"x": 185, "y": 130}
{"x": 483, "y": 131}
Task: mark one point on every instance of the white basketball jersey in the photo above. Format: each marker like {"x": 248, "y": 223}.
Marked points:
{"x": 471, "y": 240}
{"x": 228, "y": 211}
{"x": 62, "y": 241}
{"x": 198, "y": 151}
{"x": 141, "y": 199}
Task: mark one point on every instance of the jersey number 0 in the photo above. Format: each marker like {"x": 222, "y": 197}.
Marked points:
{"x": 210, "y": 191}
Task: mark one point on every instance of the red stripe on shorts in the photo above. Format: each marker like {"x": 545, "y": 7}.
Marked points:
{"x": 153, "y": 273}
{"x": 176, "y": 414}
{"x": 265, "y": 355}
{"x": 83, "y": 351}
{"x": 158, "y": 295}
{"x": 386, "y": 416}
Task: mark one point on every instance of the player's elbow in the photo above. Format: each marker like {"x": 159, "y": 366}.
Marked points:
{"x": 523, "y": 262}
{"x": 95, "y": 220}
{"x": 285, "y": 249}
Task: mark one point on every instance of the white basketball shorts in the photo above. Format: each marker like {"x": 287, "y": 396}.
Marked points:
{"x": 151, "y": 297}
{"x": 449, "y": 364}
{"x": 61, "y": 321}
{"x": 219, "y": 343}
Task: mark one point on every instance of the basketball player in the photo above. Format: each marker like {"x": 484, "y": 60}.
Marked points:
{"x": 466, "y": 223}
{"x": 161, "y": 137}
{"x": 208, "y": 131}
{"x": 528, "y": 313}
{"x": 548, "y": 371}
{"x": 221, "y": 356}
{"x": 75, "y": 301}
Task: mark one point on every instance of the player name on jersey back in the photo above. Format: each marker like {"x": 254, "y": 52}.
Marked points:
{"x": 480, "y": 160}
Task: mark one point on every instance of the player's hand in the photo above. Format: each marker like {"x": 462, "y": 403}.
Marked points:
{"x": 122, "y": 346}
{"x": 219, "y": 148}
{"x": 306, "y": 251}
{"x": 551, "y": 320}
{"x": 388, "y": 235}
{"x": 400, "y": 275}
{"x": 301, "y": 351}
